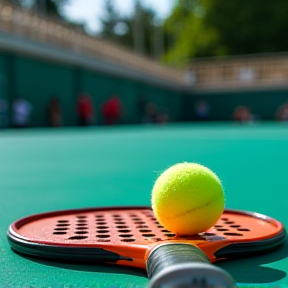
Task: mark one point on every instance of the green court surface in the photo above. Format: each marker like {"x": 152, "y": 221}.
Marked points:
{"x": 44, "y": 170}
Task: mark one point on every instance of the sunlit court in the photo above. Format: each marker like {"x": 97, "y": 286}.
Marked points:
{"x": 97, "y": 104}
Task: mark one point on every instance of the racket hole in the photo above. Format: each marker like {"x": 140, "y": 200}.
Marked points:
{"x": 116, "y": 216}
{"x": 62, "y": 225}
{"x": 81, "y": 221}
{"x": 102, "y": 231}
{"x": 232, "y": 234}
{"x": 102, "y": 227}
{"x": 62, "y": 221}
{"x": 210, "y": 234}
{"x": 229, "y": 222}
{"x": 160, "y": 226}
{"x": 81, "y": 217}
{"x": 103, "y": 236}
{"x": 222, "y": 229}
{"x": 99, "y": 216}
{"x": 139, "y": 222}
{"x": 59, "y": 233}
{"x": 81, "y": 232}
{"x": 145, "y": 230}
{"x": 101, "y": 223}
{"x": 126, "y": 235}
{"x": 81, "y": 224}
{"x": 119, "y": 222}
{"x": 77, "y": 237}
{"x": 170, "y": 234}
{"x": 103, "y": 240}
{"x": 243, "y": 229}
{"x": 128, "y": 240}
{"x": 141, "y": 226}
{"x": 218, "y": 226}
{"x": 124, "y": 231}
{"x": 136, "y": 219}
{"x": 164, "y": 230}
{"x": 224, "y": 219}
{"x": 133, "y": 215}
{"x": 122, "y": 226}
{"x": 235, "y": 226}
{"x": 148, "y": 235}
{"x": 61, "y": 229}
{"x": 82, "y": 228}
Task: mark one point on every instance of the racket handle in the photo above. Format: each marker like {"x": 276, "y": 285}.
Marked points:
{"x": 183, "y": 265}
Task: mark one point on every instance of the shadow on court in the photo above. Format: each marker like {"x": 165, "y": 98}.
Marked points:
{"x": 87, "y": 267}
{"x": 253, "y": 269}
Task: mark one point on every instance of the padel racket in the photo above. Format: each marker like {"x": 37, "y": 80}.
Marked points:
{"x": 132, "y": 236}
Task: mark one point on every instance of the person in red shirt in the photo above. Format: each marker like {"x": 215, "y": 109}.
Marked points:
{"x": 111, "y": 110}
{"x": 85, "y": 110}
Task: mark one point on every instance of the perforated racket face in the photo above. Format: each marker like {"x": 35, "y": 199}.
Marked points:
{"x": 131, "y": 232}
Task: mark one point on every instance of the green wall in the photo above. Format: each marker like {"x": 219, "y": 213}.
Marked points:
{"x": 37, "y": 80}
{"x": 101, "y": 87}
{"x": 222, "y": 104}
{"x": 3, "y": 78}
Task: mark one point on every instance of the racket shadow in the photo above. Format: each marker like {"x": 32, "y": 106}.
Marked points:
{"x": 87, "y": 267}
{"x": 250, "y": 269}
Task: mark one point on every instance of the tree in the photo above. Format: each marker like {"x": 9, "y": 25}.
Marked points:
{"x": 189, "y": 35}
{"x": 137, "y": 31}
{"x": 45, "y": 7}
{"x": 211, "y": 28}
{"x": 110, "y": 21}
{"x": 250, "y": 26}
{"x": 140, "y": 30}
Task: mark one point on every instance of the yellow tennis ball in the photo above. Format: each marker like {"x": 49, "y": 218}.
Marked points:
{"x": 188, "y": 198}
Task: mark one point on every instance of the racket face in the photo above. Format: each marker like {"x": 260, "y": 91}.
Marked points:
{"x": 126, "y": 235}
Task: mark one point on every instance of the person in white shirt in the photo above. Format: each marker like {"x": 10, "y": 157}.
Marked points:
{"x": 22, "y": 110}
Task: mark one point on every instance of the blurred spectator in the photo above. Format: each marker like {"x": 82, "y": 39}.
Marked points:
{"x": 85, "y": 110}
{"x": 282, "y": 112}
{"x": 111, "y": 110}
{"x": 202, "y": 111}
{"x": 54, "y": 113}
{"x": 3, "y": 113}
{"x": 150, "y": 115}
{"x": 163, "y": 117}
{"x": 21, "y": 110}
{"x": 242, "y": 114}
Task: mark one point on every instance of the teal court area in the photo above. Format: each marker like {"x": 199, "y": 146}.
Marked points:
{"x": 45, "y": 170}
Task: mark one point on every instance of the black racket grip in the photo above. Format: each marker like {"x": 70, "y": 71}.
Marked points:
{"x": 182, "y": 265}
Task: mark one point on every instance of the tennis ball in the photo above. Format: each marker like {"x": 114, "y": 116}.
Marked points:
{"x": 187, "y": 198}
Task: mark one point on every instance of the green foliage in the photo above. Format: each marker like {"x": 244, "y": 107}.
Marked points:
{"x": 200, "y": 28}
{"x": 136, "y": 31}
{"x": 250, "y": 26}
{"x": 109, "y": 21}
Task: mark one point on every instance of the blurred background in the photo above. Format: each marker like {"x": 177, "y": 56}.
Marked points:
{"x": 98, "y": 97}
{"x": 82, "y": 63}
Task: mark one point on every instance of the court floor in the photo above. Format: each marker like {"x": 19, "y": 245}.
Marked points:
{"x": 44, "y": 170}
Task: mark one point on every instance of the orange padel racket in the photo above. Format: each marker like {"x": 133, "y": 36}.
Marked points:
{"x": 132, "y": 236}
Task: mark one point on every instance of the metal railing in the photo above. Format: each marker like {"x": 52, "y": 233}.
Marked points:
{"x": 229, "y": 72}
{"x": 260, "y": 70}
{"x": 29, "y": 25}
